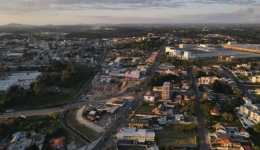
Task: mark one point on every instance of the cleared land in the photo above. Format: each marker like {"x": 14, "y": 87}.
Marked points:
{"x": 170, "y": 137}
{"x": 104, "y": 89}
{"x": 71, "y": 120}
{"x": 145, "y": 110}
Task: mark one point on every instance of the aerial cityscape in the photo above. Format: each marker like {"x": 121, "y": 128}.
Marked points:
{"x": 130, "y": 75}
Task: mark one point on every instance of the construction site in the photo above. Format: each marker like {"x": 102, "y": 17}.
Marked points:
{"x": 105, "y": 86}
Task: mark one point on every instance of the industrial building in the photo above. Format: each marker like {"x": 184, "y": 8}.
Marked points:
{"x": 140, "y": 135}
{"x": 202, "y": 53}
{"x": 23, "y": 80}
{"x": 132, "y": 74}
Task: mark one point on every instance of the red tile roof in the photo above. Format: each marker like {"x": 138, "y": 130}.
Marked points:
{"x": 247, "y": 148}
{"x": 57, "y": 142}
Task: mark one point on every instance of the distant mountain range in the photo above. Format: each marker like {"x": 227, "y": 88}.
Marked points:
{"x": 17, "y": 25}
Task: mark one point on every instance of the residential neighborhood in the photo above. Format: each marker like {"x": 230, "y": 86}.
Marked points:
{"x": 148, "y": 89}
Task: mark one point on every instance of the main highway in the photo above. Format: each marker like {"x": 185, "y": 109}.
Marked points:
{"x": 113, "y": 127}
{"x": 58, "y": 109}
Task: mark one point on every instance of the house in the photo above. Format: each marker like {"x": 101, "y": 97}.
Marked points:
{"x": 179, "y": 117}
{"x": 227, "y": 142}
{"x": 245, "y": 148}
{"x": 209, "y": 80}
{"x": 58, "y": 143}
{"x": 176, "y": 86}
{"x": 149, "y": 97}
{"x": 215, "y": 112}
{"x": 38, "y": 140}
{"x": 186, "y": 86}
{"x": 136, "y": 135}
{"x": 208, "y": 89}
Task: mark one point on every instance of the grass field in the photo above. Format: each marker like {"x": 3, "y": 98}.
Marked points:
{"x": 70, "y": 138}
{"x": 71, "y": 120}
{"x": 131, "y": 147}
{"x": 170, "y": 137}
{"x": 145, "y": 110}
{"x": 255, "y": 137}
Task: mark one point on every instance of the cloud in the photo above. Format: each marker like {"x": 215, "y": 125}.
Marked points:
{"x": 244, "y": 11}
{"x": 240, "y": 2}
{"x": 41, "y": 5}
{"x": 38, "y": 5}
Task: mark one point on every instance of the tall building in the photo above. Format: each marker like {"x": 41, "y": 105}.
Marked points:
{"x": 166, "y": 90}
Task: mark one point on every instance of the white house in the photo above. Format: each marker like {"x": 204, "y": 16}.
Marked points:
{"x": 149, "y": 97}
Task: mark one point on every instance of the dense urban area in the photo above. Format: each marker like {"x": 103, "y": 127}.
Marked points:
{"x": 130, "y": 87}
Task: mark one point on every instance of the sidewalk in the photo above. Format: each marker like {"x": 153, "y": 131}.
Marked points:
{"x": 88, "y": 124}
{"x": 207, "y": 139}
{"x": 90, "y": 146}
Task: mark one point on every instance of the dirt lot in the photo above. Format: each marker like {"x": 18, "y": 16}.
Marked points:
{"x": 104, "y": 89}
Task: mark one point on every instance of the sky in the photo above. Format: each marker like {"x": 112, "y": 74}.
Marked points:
{"x": 64, "y": 12}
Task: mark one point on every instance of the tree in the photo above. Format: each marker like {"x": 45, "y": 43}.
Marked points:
{"x": 7, "y": 69}
{"x": 228, "y": 116}
{"x": 200, "y": 73}
{"x": 39, "y": 87}
{"x": 207, "y": 107}
{"x": 193, "y": 126}
{"x": 257, "y": 128}
{"x": 50, "y": 131}
{"x": 66, "y": 75}
{"x": 33, "y": 147}
{"x": 256, "y": 147}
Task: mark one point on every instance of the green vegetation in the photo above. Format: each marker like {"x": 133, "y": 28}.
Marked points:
{"x": 220, "y": 87}
{"x": 172, "y": 61}
{"x": 157, "y": 80}
{"x": 35, "y": 123}
{"x": 70, "y": 137}
{"x": 89, "y": 133}
{"x": 200, "y": 73}
{"x": 177, "y": 136}
{"x": 242, "y": 77}
{"x": 229, "y": 117}
{"x": 145, "y": 110}
{"x": 143, "y": 45}
{"x": 70, "y": 81}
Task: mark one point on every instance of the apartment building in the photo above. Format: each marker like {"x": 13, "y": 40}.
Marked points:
{"x": 133, "y": 134}
{"x": 166, "y": 90}
{"x": 209, "y": 80}
{"x": 251, "y": 112}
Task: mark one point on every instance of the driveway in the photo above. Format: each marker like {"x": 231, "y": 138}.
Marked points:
{"x": 86, "y": 123}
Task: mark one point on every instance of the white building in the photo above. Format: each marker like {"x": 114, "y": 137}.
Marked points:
{"x": 209, "y": 80}
{"x": 204, "y": 45}
{"x": 149, "y": 97}
{"x": 232, "y": 43}
{"x": 244, "y": 66}
{"x": 255, "y": 79}
{"x": 140, "y": 135}
{"x": 251, "y": 112}
{"x": 21, "y": 79}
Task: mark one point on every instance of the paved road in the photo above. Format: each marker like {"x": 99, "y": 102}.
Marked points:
{"x": 240, "y": 85}
{"x": 126, "y": 111}
{"x": 58, "y": 109}
{"x": 203, "y": 145}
